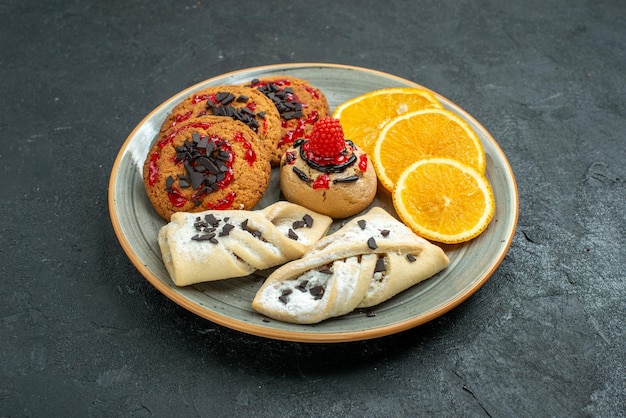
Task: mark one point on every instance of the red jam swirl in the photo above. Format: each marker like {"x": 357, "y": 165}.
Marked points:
{"x": 298, "y": 131}
{"x": 203, "y": 125}
{"x": 249, "y": 155}
{"x": 153, "y": 169}
{"x": 197, "y": 98}
{"x": 222, "y": 204}
{"x": 178, "y": 119}
{"x": 228, "y": 178}
{"x": 170, "y": 137}
{"x": 313, "y": 92}
{"x": 176, "y": 198}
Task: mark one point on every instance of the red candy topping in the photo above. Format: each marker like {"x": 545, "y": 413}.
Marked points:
{"x": 326, "y": 142}
{"x": 321, "y": 182}
{"x": 363, "y": 162}
{"x": 290, "y": 157}
{"x": 327, "y": 151}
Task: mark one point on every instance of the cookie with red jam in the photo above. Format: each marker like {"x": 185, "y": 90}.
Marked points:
{"x": 299, "y": 103}
{"x": 206, "y": 165}
{"x": 328, "y": 174}
{"x": 239, "y": 103}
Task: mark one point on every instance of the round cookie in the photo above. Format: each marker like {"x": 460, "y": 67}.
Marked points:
{"x": 236, "y": 102}
{"x": 338, "y": 190}
{"x": 216, "y": 166}
{"x": 299, "y": 103}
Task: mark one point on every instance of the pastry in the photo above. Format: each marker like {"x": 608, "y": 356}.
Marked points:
{"x": 236, "y": 102}
{"x": 328, "y": 174}
{"x": 206, "y": 164}
{"x": 216, "y": 245}
{"x": 299, "y": 103}
{"x": 370, "y": 259}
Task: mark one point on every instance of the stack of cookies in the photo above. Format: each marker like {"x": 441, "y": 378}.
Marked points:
{"x": 215, "y": 150}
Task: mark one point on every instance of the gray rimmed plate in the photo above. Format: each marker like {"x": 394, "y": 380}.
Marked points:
{"x": 227, "y": 302}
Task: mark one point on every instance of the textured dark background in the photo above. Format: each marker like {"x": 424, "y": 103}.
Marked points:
{"x": 83, "y": 334}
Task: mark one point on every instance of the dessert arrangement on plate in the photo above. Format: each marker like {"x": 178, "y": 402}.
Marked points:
{"x": 211, "y": 164}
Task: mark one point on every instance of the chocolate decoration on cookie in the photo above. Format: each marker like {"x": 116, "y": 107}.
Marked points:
{"x": 206, "y": 163}
{"x": 338, "y": 179}
{"x": 299, "y": 104}
{"x": 242, "y": 104}
{"x": 347, "y": 159}
{"x": 220, "y": 106}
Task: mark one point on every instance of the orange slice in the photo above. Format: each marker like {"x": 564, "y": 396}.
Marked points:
{"x": 444, "y": 200}
{"x": 363, "y": 116}
{"x": 422, "y": 134}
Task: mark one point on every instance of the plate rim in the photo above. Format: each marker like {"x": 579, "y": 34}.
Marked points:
{"x": 297, "y": 336}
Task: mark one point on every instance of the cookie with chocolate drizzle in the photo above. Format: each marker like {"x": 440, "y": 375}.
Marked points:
{"x": 328, "y": 174}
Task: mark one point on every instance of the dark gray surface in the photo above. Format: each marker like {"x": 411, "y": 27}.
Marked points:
{"x": 83, "y": 334}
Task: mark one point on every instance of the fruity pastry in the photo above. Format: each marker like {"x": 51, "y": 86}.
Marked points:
{"x": 327, "y": 173}
{"x": 220, "y": 244}
{"x": 370, "y": 259}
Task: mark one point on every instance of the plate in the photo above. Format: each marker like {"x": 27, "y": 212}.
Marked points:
{"x": 227, "y": 302}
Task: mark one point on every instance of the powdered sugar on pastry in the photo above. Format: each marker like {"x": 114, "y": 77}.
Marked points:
{"x": 370, "y": 259}
{"x": 220, "y": 244}
{"x": 314, "y": 291}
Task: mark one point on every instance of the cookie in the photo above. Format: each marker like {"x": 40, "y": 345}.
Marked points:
{"x": 199, "y": 167}
{"x": 327, "y": 173}
{"x": 299, "y": 103}
{"x": 236, "y": 102}
{"x": 338, "y": 191}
